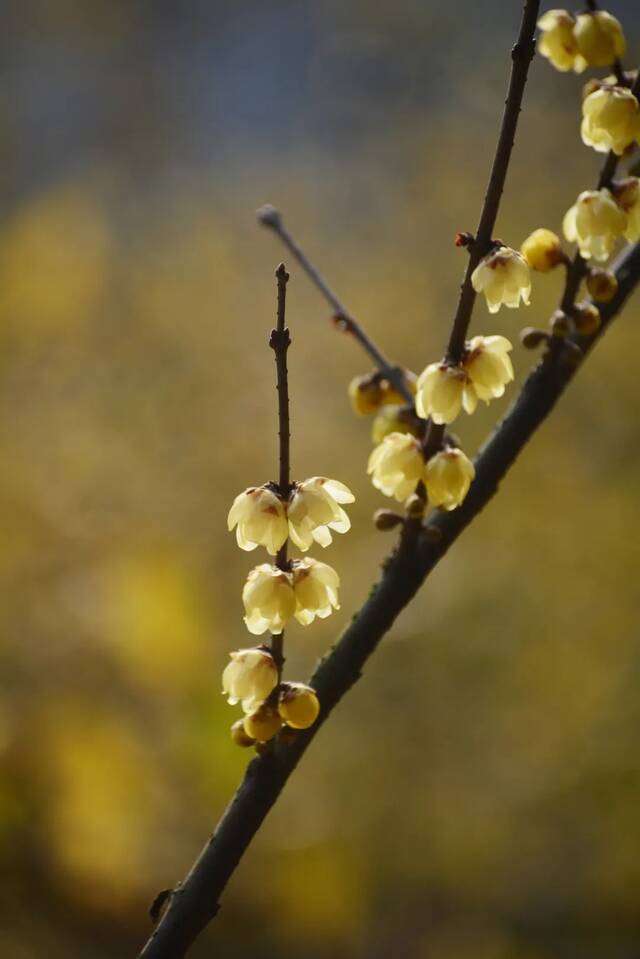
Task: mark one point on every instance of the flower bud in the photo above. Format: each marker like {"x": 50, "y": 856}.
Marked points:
{"x": 503, "y": 276}
{"x": 586, "y": 318}
{"x": 531, "y": 338}
{"x": 602, "y": 284}
{"x": 558, "y": 43}
{"x": 239, "y": 735}
{"x": 393, "y": 419}
{"x": 262, "y": 724}
{"x": 542, "y": 250}
{"x": 627, "y": 194}
{"x": 385, "y": 519}
{"x": 415, "y": 506}
{"x": 365, "y": 394}
{"x": 599, "y": 38}
{"x": 298, "y": 705}
{"x": 560, "y": 324}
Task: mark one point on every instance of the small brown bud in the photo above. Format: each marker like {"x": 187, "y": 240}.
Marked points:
{"x": 587, "y": 319}
{"x": 239, "y": 736}
{"x": 531, "y": 338}
{"x": 415, "y": 506}
{"x": 385, "y": 519}
{"x": 602, "y": 284}
{"x": 560, "y": 324}
{"x": 572, "y": 353}
{"x": 464, "y": 239}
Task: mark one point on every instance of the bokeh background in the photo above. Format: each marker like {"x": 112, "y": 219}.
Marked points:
{"x": 477, "y": 796}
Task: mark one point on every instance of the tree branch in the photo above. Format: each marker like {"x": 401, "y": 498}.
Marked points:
{"x": 272, "y": 218}
{"x": 195, "y": 901}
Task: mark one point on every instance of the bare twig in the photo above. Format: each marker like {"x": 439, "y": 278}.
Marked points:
{"x": 196, "y": 900}
{"x": 272, "y": 218}
{"x": 279, "y": 342}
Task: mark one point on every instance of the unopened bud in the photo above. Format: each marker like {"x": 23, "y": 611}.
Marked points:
{"x": 240, "y": 736}
{"x": 415, "y": 506}
{"x": 587, "y": 319}
{"x": 365, "y": 394}
{"x": 573, "y": 353}
{"x": 560, "y": 324}
{"x": 602, "y": 284}
{"x": 530, "y": 337}
{"x": 262, "y": 724}
{"x": 386, "y": 519}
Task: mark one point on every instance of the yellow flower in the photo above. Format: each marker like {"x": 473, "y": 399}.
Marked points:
{"x": 393, "y": 419}
{"x": 627, "y": 194}
{"x": 249, "y": 677}
{"x": 542, "y": 250}
{"x": 558, "y": 43}
{"x": 488, "y": 369}
{"x": 396, "y": 465}
{"x": 365, "y": 394}
{"x": 268, "y": 598}
{"x": 595, "y": 222}
{"x": 316, "y": 589}
{"x": 610, "y": 119}
{"x": 263, "y": 723}
{"x": 298, "y": 705}
{"x": 599, "y": 38}
{"x": 314, "y": 510}
{"x": 370, "y": 392}
{"x": 260, "y": 520}
{"x": 448, "y": 475}
{"x": 439, "y": 394}
{"x": 503, "y": 276}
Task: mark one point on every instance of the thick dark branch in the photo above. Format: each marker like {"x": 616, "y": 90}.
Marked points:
{"x": 279, "y": 342}
{"x": 521, "y": 56}
{"x": 195, "y": 902}
{"x": 272, "y": 218}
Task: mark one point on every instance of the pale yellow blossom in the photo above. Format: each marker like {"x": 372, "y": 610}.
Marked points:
{"x": 315, "y": 586}
{"x": 448, "y": 475}
{"x": 314, "y": 510}
{"x": 439, "y": 394}
{"x": 260, "y": 520}
{"x": 249, "y": 677}
{"x": 488, "y": 368}
{"x": 269, "y": 599}
{"x": 599, "y": 38}
{"x": 504, "y": 278}
{"x": 396, "y": 465}
{"x": 558, "y": 42}
{"x": 610, "y": 119}
{"x": 595, "y": 222}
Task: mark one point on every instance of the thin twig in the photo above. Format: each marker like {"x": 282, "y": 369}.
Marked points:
{"x": 279, "y": 342}
{"x": 272, "y": 218}
{"x": 521, "y": 57}
{"x": 196, "y": 900}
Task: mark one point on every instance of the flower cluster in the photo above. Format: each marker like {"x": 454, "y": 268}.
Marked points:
{"x": 592, "y": 39}
{"x": 274, "y": 594}
{"x": 483, "y": 373}
{"x": 251, "y": 678}
{"x": 398, "y": 464}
